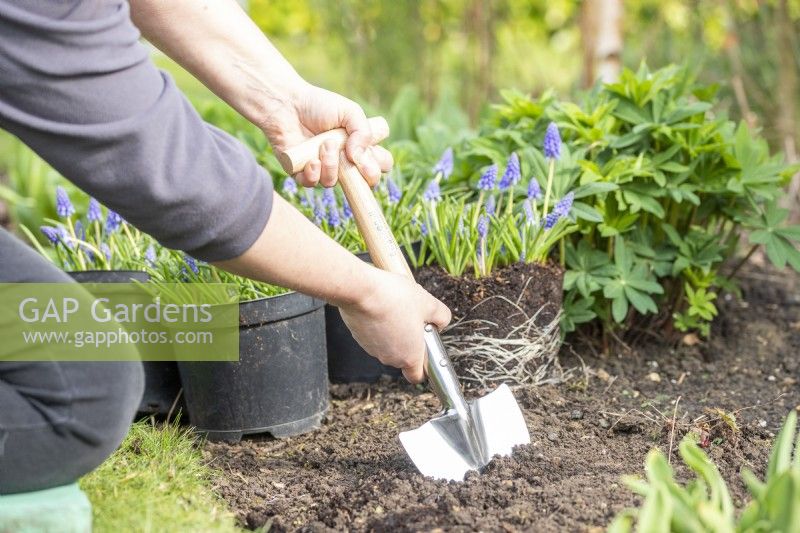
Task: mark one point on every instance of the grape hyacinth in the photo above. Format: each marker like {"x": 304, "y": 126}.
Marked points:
{"x": 51, "y": 233}
{"x": 94, "y": 213}
{"x": 334, "y": 220}
{"x": 328, "y": 198}
{"x": 512, "y": 174}
{"x": 393, "y": 191}
{"x": 550, "y": 220}
{"x": 106, "y": 251}
{"x": 289, "y": 186}
{"x": 347, "y": 211}
{"x": 534, "y": 190}
{"x": 80, "y": 232}
{"x": 526, "y": 205}
{"x": 64, "y": 207}
{"x": 563, "y": 207}
{"x": 150, "y": 255}
{"x": 483, "y": 226}
{"x": 191, "y": 263}
{"x": 552, "y": 142}
{"x": 491, "y": 206}
{"x": 66, "y": 238}
{"x": 319, "y": 211}
{"x": 113, "y": 221}
{"x": 433, "y": 193}
{"x": 445, "y": 164}
{"x": 488, "y": 179}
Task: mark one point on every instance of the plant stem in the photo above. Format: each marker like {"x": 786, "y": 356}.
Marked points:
{"x": 744, "y": 260}
{"x": 550, "y": 172}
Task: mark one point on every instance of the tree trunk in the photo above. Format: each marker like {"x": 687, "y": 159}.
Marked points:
{"x": 601, "y": 30}
{"x": 786, "y": 119}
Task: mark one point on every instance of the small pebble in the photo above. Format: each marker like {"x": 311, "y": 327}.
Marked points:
{"x": 604, "y": 423}
{"x": 552, "y": 437}
{"x": 577, "y": 414}
{"x": 654, "y": 377}
{"x": 762, "y": 423}
{"x": 771, "y": 378}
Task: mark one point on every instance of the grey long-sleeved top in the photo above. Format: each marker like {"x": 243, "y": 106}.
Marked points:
{"x": 78, "y": 87}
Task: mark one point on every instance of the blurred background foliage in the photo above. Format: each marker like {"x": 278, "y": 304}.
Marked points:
{"x": 433, "y": 67}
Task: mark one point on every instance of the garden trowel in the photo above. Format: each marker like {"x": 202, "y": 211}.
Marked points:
{"x": 466, "y": 435}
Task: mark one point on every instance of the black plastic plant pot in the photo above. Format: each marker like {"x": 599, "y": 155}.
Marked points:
{"x": 278, "y": 386}
{"x": 347, "y": 360}
{"x": 162, "y": 383}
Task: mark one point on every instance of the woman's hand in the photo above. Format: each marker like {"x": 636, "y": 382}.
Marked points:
{"x": 309, "y": 111}
{"x": 388, "y": 321}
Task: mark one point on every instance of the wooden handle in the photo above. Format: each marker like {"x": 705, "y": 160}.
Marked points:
{"x": 294, "y": 159}
{"x": 381, "y": 244}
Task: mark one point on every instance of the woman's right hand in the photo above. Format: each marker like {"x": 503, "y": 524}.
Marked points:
{"x": 389, "y": 319}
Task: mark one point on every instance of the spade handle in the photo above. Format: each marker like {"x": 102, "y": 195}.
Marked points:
{"x": 385, "y": 254}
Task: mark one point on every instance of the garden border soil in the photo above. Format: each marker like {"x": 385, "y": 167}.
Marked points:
{"x": 353, "y": 475}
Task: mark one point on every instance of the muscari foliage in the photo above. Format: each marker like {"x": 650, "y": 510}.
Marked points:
{"x": 705, "y": 504}
{"x": 100, "y": 239}
{"x": 665, "y": 192}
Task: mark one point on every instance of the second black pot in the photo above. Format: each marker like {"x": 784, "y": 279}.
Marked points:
{"x": 278, "y": 386}
{"x": 161, "y": 381}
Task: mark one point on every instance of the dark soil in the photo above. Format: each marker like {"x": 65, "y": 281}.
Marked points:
{"x": 352, "y": 474}
{"x": 501, "y": 301}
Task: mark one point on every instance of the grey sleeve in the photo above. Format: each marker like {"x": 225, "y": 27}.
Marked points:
{"x": 78, "y": 87}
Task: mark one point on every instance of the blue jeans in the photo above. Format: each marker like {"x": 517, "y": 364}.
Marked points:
{"x": 58, "y": 420}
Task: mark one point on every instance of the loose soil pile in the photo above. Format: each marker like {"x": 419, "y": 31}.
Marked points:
{"x": 352, "y": 474}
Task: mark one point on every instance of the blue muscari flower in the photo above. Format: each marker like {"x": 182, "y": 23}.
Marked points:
{"x": 305, "y": 198}
{"x": 445, "y": 164}
{"x": 191, "y": 263}
{"x": 433, "y": 193}
{"x": 64, "y": 207}
{"x": 113, "y": 221}
{"x": 51, "y": 233}
{"x": 564, "y": 205}
{"x": 491, "y": 206}
{"x": 423, "y": 228}
{"x": 526, "y": 205}
{"x": 328, "y": 197}
{"x": 483, "y": 226}
{"x": 289, "y": 186}
{"x": 488, "y": 179}
{"x": 333, "y": 217}
{"x": 94, "y": 213}
{"x": 65, "y": 237}
{"x": 106, "y": 251}
{"x": 512, "y": 174}
{"x": 534, "y": 190}
{"x": 80, "y": 232}
{"x": 319, "y": 211}
{"x": 347, "y": 211}
{"x": 393, "y": 191}
{"x": 552, "y": 142}
{"x": 551, "y": 219}
{"x": 150, "y": 255}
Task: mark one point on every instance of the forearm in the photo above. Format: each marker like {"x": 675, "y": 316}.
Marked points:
{"x": 294, "y": 253}
{"x": 220, "y": 45}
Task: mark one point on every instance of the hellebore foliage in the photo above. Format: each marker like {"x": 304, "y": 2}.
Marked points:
{"x": 705, "y": 504}
{"x": 666, "y": 192}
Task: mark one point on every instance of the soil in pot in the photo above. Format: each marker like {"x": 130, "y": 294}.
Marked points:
{"x": 162, "y": 383}
{"x": 585, "y": 435}
{"x": 505, "y": 325}
{"x": 501, "y": 301}
{"x": 280, "y": 383}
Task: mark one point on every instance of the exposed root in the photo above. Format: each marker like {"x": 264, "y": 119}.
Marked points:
{"x": 526, "y": 356}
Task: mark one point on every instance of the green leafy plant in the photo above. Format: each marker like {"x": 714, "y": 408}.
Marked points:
{"x": 705, "y": 503}
{"x": 664, "y": 188}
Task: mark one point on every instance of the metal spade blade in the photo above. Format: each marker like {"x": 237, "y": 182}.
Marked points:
{"x": 467, "y": 435}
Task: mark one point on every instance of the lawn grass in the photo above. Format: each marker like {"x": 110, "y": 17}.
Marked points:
{"x": 156, "y": 481}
